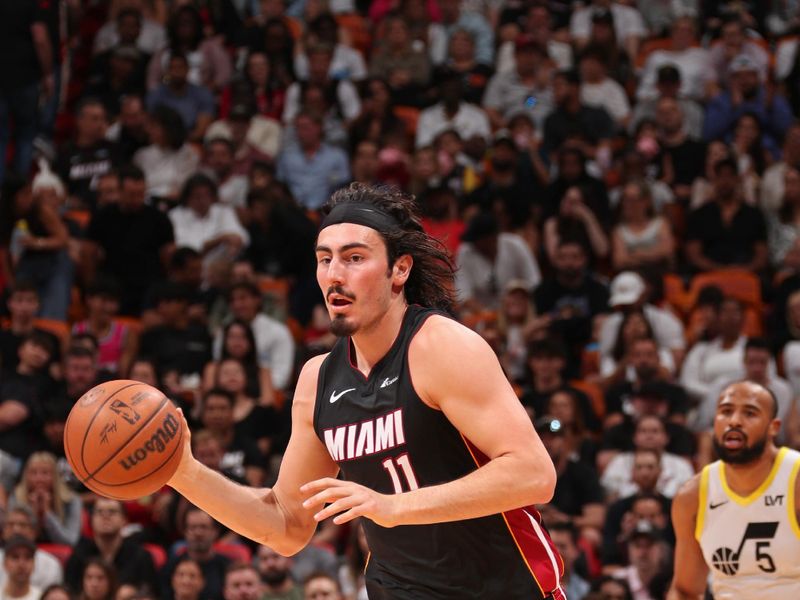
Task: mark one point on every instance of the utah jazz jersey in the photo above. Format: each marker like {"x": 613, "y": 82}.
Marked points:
{"x": 751, "y": 544}
{"x": 383, "y": 436}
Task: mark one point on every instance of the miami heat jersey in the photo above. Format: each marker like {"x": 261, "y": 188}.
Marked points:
{"x": 751, "y": 544}
{"x": 383, "y": 436}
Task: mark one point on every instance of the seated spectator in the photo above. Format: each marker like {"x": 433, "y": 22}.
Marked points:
{"x": 129, "y": 133}
{"x": 395, "y": 60}
{"x": 644, "y": 367}
{"x": 218, "y": 162}
{"x": 536, "y": 20}
{"x": 575, "y": 221}
{"x": 258, "y": 87}
{"x": 573, "y": 172}
{"x": 22, "y": 302}
{"x": 783, "y": 228}
{"x": 88, "y": 155}
{"x": 116, "y": 341}
{"x": 588, "y": 128}
{"x": 130, "y": 241}
{"x": 99, "y": 581}
{"x": 185, "y": 268}
{"x": 565, "y": 538}
{"x": 527, "y": 85}
{"x": 210, "y": 64}
{"x": 752, "y": 153}
{"x": 746, "y": 94}
{"x": 598, "y": 90}
{"x": 346, "y": 62}
{"x": 342, "y": 93}
{"x": 488, "y": 260}
{"x": 772, "y": 184}
{"x": 609, "y": 588}
{"x": 56, "y": 592}
{"x": 687, "y": 58}
{"x": 201, "y": 531}
{"x": 452, "y": 112}
{"x": 194, "y": 103}
{"x": 440, "y": 217}
{"x": 311, "y": 168}
{"x": 616, "y": 367}
{"x": 80, "y": 374}
{"x": 187, "y": 582}
{"x": 567, "y": 405}
{"x": 454, "y": 18}
{"x": 681, "y": 158}
{"x": 241, "y": 457}
{"x": 645, "y": 505}
{"x": 322, "y": 585}
{"x": 117, "y": 73}
{"x": 702, "y": 190}
{"x": 732, "y": 49}
{"x": 668, "y": 84}
{"x": 627, "y": 21}
{"x": 168, "y": 160}
{"x": 650, "y": 434}
{"x": 21, "y": 522}
{"x": 274, "y": 342}
{"x": 203, "y": 223}
{"x": 578, "y": 497}
{"x": 572, "y": 296}
{"x": 252, "y": 138}
{"x": 641, "y": 238}
{"x": 377, "y": 121}
{"x": 23, "y": 393}
{"x": 648, "y": 555}
{"x": 36, "y": 239}
{"x": 275, "y": 575}
{"x": 726, "y": 232}
{"x": 351, "y": 572}
{"x": 18, "y": 561}
{"x": 151, "y": 35}
{"x": 461, "y": 59}
{"x": 42, "y": 490}
{"x": 517, "y": 325}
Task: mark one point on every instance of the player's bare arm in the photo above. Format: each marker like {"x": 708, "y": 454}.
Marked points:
{"x": 455, "y": 371}
{"x": 691, "y": 570}
{"x": 274, "y": 517}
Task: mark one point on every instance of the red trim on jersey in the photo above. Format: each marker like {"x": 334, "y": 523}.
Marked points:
{"x": 529, "y": 541}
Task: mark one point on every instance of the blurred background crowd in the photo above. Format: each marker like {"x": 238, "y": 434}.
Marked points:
{"x": 618, "y": 184}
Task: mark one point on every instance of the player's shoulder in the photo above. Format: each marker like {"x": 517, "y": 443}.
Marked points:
{"x": 440, "y": 329}
{"x": 685, "y": 501}
{"x": 305, "y": 391}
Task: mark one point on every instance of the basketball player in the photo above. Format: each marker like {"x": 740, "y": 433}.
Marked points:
{"x": 739, "y": 516}
{"x": 413, "y": 409}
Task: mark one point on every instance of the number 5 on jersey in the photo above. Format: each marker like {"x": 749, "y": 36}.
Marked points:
{"x": 391, "y": 465}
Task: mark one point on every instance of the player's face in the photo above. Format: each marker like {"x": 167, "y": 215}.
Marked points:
{"x": 743, "y": 423}
{"x": 354, "y": 276}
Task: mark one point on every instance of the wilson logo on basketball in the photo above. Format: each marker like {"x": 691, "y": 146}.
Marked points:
{"x": 157, "y": 443}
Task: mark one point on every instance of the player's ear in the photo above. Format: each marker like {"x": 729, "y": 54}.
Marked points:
{"x": 402, "y": 269}
{"x": 775, "y": 427}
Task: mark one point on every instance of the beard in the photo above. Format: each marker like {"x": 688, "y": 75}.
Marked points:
{"x": 741, "y": 456}
{"x": 274, "y": 578}
{"x": 340, "y": 327}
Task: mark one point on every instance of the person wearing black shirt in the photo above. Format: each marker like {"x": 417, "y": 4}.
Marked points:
{"x": 571, "y": 297}
{"x": 89, "y": 155}
{"x": 682, "y": 158}
{"x": 130, "y": 241}
{"x": 23, "y": 306}
{"x": 133, "y": 563}
{"x": 726, "y": 232}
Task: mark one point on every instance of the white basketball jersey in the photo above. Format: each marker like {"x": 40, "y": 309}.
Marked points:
{"x": 752, "y": 544}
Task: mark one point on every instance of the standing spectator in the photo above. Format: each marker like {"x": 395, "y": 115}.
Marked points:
{"x": 726, "y": 232}
{"x": 526, "y": 86}
{"x": 206, "y": 63}
{"x": 89, "y": 155}
{"x": 26, "y": 62}
{"x": 130, "y": 241}
{"x": 274, "y": 342}
{"x": 311, "y": 168}
{"x": 451, "y": 112}
{"x": 488, "y": 260}
{"x": 21, "y": 521}
{"x": 194, "y": 103}
{"x": 18, "y": 565}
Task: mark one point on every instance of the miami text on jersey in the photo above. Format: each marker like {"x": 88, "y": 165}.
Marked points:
{"x": 368, "y": 437}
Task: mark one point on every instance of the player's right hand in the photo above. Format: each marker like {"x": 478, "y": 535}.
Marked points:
{"x": 188, "y": 462}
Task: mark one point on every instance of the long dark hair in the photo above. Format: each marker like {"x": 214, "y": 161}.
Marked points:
{"x": 620, "y": 348}
{"x": 431, "y": 281}
{"x": 108, "y": 570}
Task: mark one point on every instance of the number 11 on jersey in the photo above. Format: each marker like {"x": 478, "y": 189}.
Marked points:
{"x": 402, "y": 461}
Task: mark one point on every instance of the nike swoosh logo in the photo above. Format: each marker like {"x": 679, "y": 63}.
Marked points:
{"x": 387, "y": 382}
{"x": 335, "y": 396}
{"x": 713, "y": 506}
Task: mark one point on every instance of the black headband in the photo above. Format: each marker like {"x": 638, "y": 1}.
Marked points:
{"x": 359, "y": 213}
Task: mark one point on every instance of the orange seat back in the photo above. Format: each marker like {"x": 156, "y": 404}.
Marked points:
{"x": 737, "y": 283}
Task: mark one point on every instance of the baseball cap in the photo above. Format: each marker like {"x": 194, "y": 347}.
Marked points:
{"x": 626, "y": 288}
{"x": 742, "y": 62}
{"x": 548, "y": 424}
{"x": 644, "y": 529}
{"x": 19, "y": 541}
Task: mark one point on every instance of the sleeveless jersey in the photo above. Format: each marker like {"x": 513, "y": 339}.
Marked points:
{"x": 751, "y": 544}
{"x": 383, "y": 436}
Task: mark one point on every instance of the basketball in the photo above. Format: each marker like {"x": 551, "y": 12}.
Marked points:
{"x": 123, "y": 439}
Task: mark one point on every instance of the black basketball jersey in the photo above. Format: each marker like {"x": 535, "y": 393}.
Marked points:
{"x": 383, "y": 436}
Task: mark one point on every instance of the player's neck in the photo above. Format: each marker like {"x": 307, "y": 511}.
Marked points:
{"x": 372, "y": 345}
{"x": 745, "y": 479}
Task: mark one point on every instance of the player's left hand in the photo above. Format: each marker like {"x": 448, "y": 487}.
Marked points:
{"x": 348, "y": 500}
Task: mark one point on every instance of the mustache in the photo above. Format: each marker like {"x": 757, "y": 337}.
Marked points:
{"x": 340, "y": 291}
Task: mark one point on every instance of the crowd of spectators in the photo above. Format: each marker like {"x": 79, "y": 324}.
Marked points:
{"x": 617, "y": 182}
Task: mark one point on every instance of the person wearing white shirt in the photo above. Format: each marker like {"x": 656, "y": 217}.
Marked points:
{"x": 628, "y": 24}
{"x": 599, "y": 90}
{"x": 18, "y": 566}
{"x": 205, "y": 225}
{"x": 465, "y": 119}
{"x": 46, "y": 567}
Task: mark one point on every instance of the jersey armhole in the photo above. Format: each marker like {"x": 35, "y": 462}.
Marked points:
{"x": 791, "y": 503}
{"x": 702, "y": 500}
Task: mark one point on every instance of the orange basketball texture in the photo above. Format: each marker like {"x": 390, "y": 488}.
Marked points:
{"x": 123, "y": 439}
